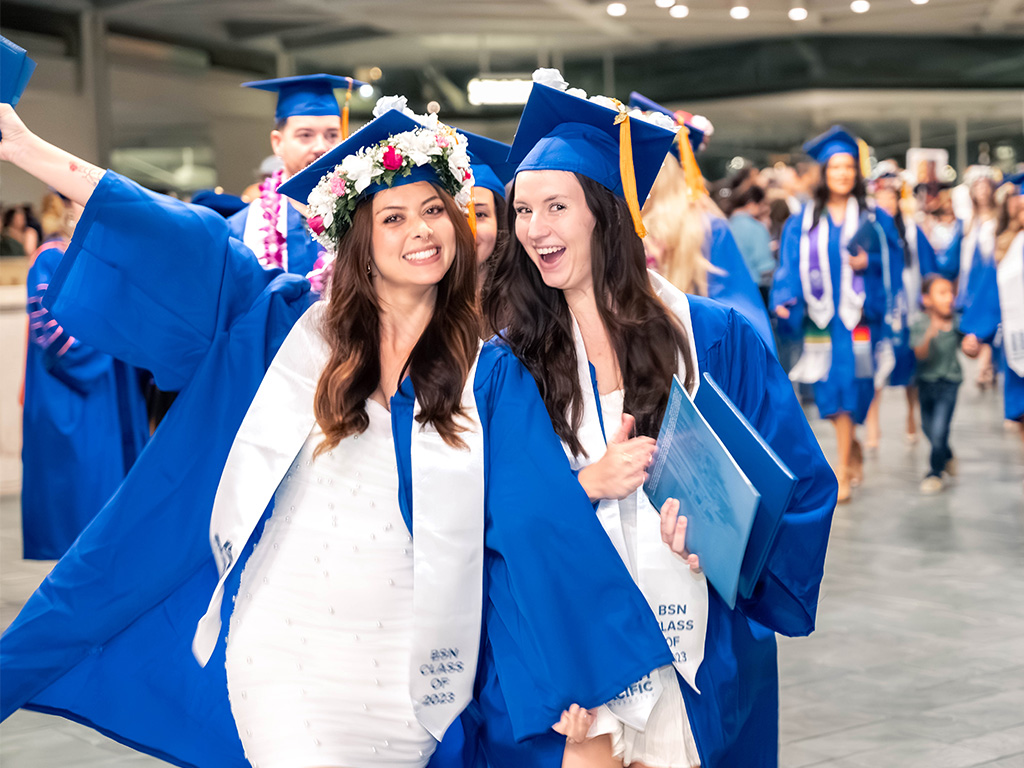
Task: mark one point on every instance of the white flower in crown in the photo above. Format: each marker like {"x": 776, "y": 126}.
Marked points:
{"x": 577, "y": 92}
{"x": 387, "y": 103}
{"x": 604, "y": 101}
{"x": 550, "y": 77}
{"x": 659, "y": 119}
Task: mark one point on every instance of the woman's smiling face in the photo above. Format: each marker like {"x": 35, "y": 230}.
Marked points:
{"x": 413, "y": 237}
{"x": 555, "y": 226}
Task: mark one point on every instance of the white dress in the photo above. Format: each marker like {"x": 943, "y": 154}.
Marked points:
{"x": 667, "y": 741}
{"x": 320, "y": 637}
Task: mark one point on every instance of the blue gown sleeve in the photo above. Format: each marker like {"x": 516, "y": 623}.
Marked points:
{"x": 77, "y": 365}
{"x": 735, "y": 288}
{"x": 150, "y": 280}
{"x": 786, "y": 287}
{"x": 947, "y": 260}
{"x": 926, "y": 259}
{"x": 785, "y": 599}
{"x": 983, "y": 315}
{"x": 565, "y": 621}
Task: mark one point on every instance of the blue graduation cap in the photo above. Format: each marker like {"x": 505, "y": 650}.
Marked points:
{"x": 695, "y": 135}
{"x": 489, "y": 158}
{"x": 390, "y": 123}
{"x": 224, "y": 204}
{"x": 306, "y": 94}
{"x": 562, "y": 132}
{"x": 834, "y": 141}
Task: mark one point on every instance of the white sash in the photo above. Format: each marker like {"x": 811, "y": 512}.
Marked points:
{"x": 664, "y": 578}
{"x": 981, "y": 235}
{"x": 448, "y": 493}
{"x": 821, "y": 310}
{"x": 254, "y": 237}
{"x": 1010, "y": 277}
{"x": 912, "y": 272}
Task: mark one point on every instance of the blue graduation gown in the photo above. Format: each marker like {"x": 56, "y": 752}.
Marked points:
{"x": 983, "y": 269}
{"x": 106, "y": 638}
{"x": 841, "y": 391}
{"x": 942, "y": 261}
{"x": 735, "y": 717}
{"x": 982, "y": 318}
{"x": 84, "y": 424}
{"x": 736, "y": 288}
{"x": 303, "y": 250}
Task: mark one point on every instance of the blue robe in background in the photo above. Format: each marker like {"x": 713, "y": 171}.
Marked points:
{"x": 983, "y": 318}
{"x": 735, "y": 718}
{"x": 84, "y": 424}
{"x": 982, "y": 270}
{"x": 106, "y": 639}
{"x": 303, "y": 250}
{"x": 735, "y": 288}
{"x": 841, "y": 391}
{"x": 941, "y": 260}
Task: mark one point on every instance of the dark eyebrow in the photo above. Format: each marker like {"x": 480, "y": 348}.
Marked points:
{"x": 545, "y": 200}
{"x": 405, "y": 207}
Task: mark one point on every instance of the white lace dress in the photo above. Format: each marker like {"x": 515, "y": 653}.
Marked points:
{"x": 320, "y": 638}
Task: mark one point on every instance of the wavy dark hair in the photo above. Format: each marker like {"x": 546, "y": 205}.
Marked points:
{"x": 821, "y": 192}
{"x": 439, "y": 363}
{"x": 537, "y": 325}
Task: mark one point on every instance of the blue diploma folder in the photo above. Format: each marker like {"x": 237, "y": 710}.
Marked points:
{"x": 762, "y": 466}
{"x": 15, "y": 70}
{"x": 693, "y": 465}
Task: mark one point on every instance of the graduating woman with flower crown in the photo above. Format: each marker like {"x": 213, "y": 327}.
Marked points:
{"x": 332, "y": 455}
{"x": 604, "y": 338}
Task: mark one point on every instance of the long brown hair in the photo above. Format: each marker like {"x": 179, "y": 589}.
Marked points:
{"x": 536, "y": 322}
{"x": 439, "y": 363}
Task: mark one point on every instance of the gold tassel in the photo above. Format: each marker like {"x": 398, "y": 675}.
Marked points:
{"x": 471, "y": 213}
{"x": 691, "y": 171}
{"x": 628, "y": 173}
{"x": 864, "y": 156}
{"x": 344, "y": 111}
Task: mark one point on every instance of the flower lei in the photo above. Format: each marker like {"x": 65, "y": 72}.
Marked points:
{"x": 333, "y": 200}
{"x": 274, "y": 243}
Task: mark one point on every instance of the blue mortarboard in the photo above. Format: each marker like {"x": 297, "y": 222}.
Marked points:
{"x": 225, "y": 205}
{"x": 833, "y": 142}
{"x": 390, "y": 123}
{"x": 489, "y": 158}
{"x": 1014, "y": 178}
{"x": 562, "y": 132}
{"x": 695, "y": 135}
{"x": 305, "y": 94}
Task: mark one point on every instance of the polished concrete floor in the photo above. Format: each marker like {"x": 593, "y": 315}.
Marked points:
{"x": 918, "y": 659}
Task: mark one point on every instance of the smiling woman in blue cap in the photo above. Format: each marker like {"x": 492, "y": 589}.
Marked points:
{"x": 307, "y": 123}
{"x": 604, "y": 337}
{"x": 349, "y": 503}
{"x": 839, "y": 287}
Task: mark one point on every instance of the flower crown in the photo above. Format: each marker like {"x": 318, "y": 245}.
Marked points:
{"x": 334, "y": 199}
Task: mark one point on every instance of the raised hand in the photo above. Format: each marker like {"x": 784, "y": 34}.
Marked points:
{"x": 623, "y": 468}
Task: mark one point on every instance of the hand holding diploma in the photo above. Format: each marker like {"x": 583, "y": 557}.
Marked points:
{"x": 623, "y": 468}
{"x": 673, "y": 533}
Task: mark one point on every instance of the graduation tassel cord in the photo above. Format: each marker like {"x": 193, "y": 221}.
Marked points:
{"x": 628, "y": 173}
{"x": 471, "y": 214}
{"x": 864, "y": 157}
{"x": 344, "y": 111}
{"x": 691, "y": 171}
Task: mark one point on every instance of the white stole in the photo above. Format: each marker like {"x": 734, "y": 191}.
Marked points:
{"x": 822, "y": 309}
{"x": 664, "y": 578}
{"x": 254, "y": 237}
{"x": 1010, "y": 277}
{"x": 981, "y": 235}
{"x": 448, "y": 520}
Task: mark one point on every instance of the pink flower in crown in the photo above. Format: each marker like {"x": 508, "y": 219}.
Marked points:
{"x": 466, "y": 176}
{"x": 338, "y": 185}
{"x": 316, "y": 223}
{"x": 392, "y": 159}
{"x": 442, "y": 140}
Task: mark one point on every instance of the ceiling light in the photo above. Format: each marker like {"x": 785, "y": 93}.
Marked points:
{"x": 860, "y": 6}
{"x": 495, "y": 90}
{"x": 739, "y": 12}
{"x": 919, "y": 2}
{"x": 798, "y": 13}
{"x": 366, "y": 90}
{"x": 616, "y": 9}
{"x": 679, "y": 11}
{"x": 664, "y": 3}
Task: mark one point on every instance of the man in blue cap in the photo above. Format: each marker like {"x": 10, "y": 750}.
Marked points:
{"x": 308, "y": 124}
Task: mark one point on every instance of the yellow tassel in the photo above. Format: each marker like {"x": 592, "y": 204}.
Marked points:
{"x": 864, "y": 157}
{"x": 628, "y": 173}
{"x": 471, "y": 214}
{"x": 691, "y": 171}
{"x": 344, "y": 111}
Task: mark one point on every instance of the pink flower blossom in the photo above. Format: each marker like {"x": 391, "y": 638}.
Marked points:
{"x": 392, "y": 159}
{"x": 316, "y": 223}
{"x": 442, "y": 140}
{"x": 467, "y": 174}
{"x": 338, "y": 185}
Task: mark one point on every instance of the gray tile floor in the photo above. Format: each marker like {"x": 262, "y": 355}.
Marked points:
{"x": 918, "y": 659}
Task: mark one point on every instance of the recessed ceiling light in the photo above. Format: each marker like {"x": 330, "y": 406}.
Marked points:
{"x": 679, "y": 11}
{"x": 616, "y": 9}
{"x": 739, "y": 12}
{"x": 366, "y": 90}
{"x": 919, "y": 2}
{"x": 664, "y": 3}
{"x": 798, "y": 13}
{"x": 860, "y": 6}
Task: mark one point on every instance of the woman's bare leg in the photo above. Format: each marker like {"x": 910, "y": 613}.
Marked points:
{"x": 874, "y": 428}
{"x": 911, "y": 414}
{"x": 843, "y": 424}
